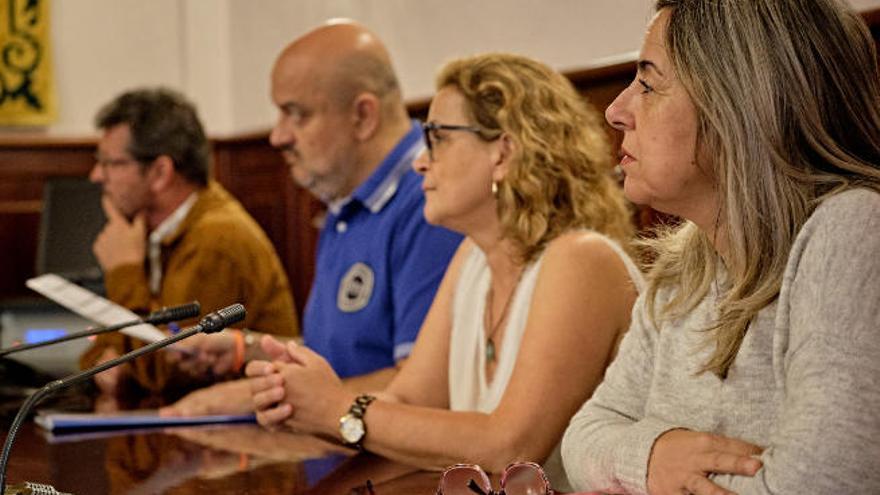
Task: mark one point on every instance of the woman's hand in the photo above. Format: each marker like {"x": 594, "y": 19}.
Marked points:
{"x": 681, "y": 462}
{"x": 267, "y": 392}
{"x": 267, "y": 385}
{"x": 316, "y": 394}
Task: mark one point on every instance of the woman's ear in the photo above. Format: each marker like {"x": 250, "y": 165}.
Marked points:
{"x": 502, "y": 155}
{"x": 161, "y": 173}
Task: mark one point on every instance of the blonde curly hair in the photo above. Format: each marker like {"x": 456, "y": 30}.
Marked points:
{"x": 561, "y": 173}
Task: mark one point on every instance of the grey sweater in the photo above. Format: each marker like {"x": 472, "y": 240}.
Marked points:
{"x": 805, "y": 384}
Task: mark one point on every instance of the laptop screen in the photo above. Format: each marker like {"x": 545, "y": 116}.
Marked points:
{"x": 71, "y": 219}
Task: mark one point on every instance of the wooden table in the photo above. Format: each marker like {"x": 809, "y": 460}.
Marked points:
{"x": 227, "y": 459}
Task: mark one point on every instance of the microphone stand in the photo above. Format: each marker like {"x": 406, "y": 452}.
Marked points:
{"x": 211, "y": 323}
{"x": 159, "y": 317}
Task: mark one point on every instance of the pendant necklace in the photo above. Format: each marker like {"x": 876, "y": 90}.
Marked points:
{"x": 488, "y": 318}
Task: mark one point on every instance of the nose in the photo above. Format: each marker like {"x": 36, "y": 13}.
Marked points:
{"x": 97, "y": 174}
{"x": 281, "y": 134}
{"x": 618, "y": 113}
{"x": 420, "y": 164}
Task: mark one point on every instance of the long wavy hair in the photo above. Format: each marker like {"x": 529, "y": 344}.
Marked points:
{"x": 788, "y": 100}
{"x": 561, "y": 174}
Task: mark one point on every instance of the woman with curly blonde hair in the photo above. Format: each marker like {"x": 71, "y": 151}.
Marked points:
{"x": 533, "y": 303}
{"x": 754, "y": 356}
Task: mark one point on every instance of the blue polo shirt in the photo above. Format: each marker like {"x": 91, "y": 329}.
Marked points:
{"x": 379, "y": 264}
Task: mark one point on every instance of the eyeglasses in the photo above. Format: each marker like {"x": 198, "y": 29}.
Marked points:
{"x": 519, "y": 478}
{"x": 113, "y": 162}
{"x": 428, "y": 128}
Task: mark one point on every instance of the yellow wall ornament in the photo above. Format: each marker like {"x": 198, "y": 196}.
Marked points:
{"x": 27, "y": 93}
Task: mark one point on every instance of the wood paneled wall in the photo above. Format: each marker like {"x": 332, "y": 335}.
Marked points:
{"x": 246, "y": 165}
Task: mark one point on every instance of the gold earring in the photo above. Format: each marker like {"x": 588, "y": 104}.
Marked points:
{"x": 494, "y": 188}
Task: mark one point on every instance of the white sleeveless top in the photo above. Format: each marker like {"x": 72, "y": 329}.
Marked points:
{"x": 468, "y": 388}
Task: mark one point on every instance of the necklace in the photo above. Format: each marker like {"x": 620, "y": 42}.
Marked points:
{"x": 488, "y": 323}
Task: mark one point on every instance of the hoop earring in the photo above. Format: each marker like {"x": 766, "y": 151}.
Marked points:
{"x": 494, "y": 188}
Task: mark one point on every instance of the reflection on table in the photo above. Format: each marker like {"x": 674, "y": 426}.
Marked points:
{"x": 217, "y": 459}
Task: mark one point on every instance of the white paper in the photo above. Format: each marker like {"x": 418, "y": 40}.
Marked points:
{"x": 92, "y": 306}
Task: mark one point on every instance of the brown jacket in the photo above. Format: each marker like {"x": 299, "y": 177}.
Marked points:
{"x": 218, "y": 256}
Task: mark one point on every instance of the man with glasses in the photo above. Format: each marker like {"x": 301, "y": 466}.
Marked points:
{"x": 173, "y": 236}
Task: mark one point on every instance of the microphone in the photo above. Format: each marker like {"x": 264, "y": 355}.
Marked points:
{"x": 28, "y": 488}
{"x": 211, "y": 323}
{"x": 158, "y": 317}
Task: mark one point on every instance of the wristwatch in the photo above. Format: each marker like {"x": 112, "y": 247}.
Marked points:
{"x": 351, "y": 426}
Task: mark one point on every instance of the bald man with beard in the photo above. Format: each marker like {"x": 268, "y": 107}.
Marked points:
{"x": 344, "y": 131}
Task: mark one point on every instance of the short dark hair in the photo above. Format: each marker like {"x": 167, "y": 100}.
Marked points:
{"x": 162, "y": 122}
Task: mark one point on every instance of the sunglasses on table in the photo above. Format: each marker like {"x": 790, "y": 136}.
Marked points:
{"x": 519, "y": 478}
{"x": 365, "y": 489}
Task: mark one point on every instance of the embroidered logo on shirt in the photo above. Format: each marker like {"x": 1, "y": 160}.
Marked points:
{"x": 355, "y": 288}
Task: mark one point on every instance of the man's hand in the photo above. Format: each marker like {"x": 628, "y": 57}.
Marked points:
{"x": 216, "y": 353}
{"x": 681, "y": 462}
{"x": 108, "y": 381}
{"x": 120, "y": 242}
{"x": 232, "y": 397}
{"x": 203, "y": 352}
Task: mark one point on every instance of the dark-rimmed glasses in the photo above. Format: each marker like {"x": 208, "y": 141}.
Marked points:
{"x": 429, "y": 127}
{"x": 105, "y": 162}
{"x": 519, "y": 478}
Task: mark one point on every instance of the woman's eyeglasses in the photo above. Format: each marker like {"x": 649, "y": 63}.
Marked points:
{"x": 519, "y": 478}
{"x": 428, "y": 128}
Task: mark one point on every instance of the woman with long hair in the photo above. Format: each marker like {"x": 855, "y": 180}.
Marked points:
{"x": 754, "y": 356}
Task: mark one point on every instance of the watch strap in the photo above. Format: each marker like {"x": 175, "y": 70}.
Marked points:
{"x": 359, "y": 406}
{"x": 357, "y": 410}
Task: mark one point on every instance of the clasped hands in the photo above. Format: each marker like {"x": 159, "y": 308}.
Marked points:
{"x": 297, "y": 389}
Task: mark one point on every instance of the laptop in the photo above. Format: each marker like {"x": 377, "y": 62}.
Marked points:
{"x": 70, "y": 220}
{"x": 33, "y": 322}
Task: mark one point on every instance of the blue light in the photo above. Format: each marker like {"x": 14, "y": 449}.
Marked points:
{"x": 36, "y": 335}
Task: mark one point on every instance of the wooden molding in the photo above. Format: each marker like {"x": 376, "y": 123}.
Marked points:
{"x": 245, "y": 163}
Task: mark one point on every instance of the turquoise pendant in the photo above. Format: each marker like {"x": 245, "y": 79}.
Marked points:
{"x": 490, "y": 350}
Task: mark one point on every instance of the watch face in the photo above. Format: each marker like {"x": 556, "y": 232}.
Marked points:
{"x": 351, "y": 428}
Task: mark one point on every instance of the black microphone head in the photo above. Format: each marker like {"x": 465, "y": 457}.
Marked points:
{"x": 220, "y": 319}
{"x": 174, "y": 313}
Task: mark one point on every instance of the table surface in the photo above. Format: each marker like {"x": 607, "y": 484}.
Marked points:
{"x": 239, "y": 459}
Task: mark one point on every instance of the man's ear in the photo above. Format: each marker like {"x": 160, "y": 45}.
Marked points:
{"x": 366, "y": 115}
{"x": 502, "y": 155}
{"x": 161, "y": 173}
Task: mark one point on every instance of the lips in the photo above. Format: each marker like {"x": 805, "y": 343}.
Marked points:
{"x": 624, "y": 157}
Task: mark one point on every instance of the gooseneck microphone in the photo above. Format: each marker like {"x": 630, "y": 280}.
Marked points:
{"x": 211, "y": 323}
{"x": 158, "y": 317}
